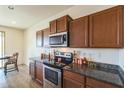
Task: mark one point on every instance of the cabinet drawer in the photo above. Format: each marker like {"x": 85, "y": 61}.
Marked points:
{"x": 74, "y": 76}
{"x": 98, "y": 84}
{"x": 70, "y": 83}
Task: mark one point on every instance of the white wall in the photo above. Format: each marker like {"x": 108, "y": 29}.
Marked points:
{"x": 14, "y": 39}
{"x": 100, "y": 55}
{"x": 121, "y": 58}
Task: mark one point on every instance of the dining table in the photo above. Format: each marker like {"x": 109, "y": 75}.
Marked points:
{"x": 4, "y": 57}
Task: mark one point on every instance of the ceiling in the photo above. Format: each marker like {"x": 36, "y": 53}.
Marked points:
{"x": 24, "y": 16}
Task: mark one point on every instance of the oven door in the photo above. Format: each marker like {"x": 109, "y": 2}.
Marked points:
{"x": 52, "y": 76}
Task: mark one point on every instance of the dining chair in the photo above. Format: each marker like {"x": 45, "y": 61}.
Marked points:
{"x": 11, "y": 61}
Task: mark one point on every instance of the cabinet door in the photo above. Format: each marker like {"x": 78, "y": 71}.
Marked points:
{"x": 106, "y": 28}
{"x": 69, "y": 83}
{"x": 72, "y": 80}
{"x": 32, "y": 69}
{"x": 79, "y": 33}
{"x": 98, "y": 84}
{"x": 53, "y": 27}
{"x": 62, "y": 24}
{"x": 39, "y": 38}
{"x": 46, "y": 33}
{"x": 39, "y": 72}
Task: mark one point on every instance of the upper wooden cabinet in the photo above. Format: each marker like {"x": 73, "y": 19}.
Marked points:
{"x": 78, "y": 33}
{"x": 60, "y": 25}
{"x": 53, "y": 27}
{"x": 39, "y": 38}
{"x": 63, "y": 23}
{"x": 46, "y": 33}
{"x": 106, "y": 28}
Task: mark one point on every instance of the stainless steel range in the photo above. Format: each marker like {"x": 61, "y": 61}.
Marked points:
{"x": 52, "y": 71}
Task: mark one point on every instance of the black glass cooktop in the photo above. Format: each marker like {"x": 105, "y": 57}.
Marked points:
{"x": 58, "y": 65}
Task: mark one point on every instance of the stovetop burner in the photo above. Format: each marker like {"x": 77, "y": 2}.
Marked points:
{"x": 66, "y": 58}
{"x": 55, "y": 64}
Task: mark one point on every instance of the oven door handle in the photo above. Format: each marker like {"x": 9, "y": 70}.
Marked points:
{"x": 52, "y": 68}
{"x": 62, "y": 37}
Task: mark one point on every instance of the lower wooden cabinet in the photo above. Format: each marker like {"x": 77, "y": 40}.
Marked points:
{"x": 89, "y": 87}
{"x": 39, "y": 72}
{"x": 32, "y": 69}
{"x": 70, "y": 83}
{"x": 72, "y": 80}
{"x": 98, "y": 84}
{"x": 36, "y": 71}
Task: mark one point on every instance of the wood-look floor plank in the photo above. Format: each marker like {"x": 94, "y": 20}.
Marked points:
{"x": 19, "y": 79}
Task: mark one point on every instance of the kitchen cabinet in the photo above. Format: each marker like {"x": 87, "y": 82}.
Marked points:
{"x": 39, "y": 38}
{"x": 72, "y": 80}
{"x": 53, "y": 27}
{"x": 60, "y": 25}
{"x": 75, "y": 80}
{"x": 78, "y": 33}
{"x": 106, "y": 30}
{"x": 39, "y": 72}
{"x": 46, "y": 33}
{"x": 63, "y": 23}
{"x": 42, "y": 38}
{"x": 70, "y": 83}
{"x": 92, "y": 83}
{"x": 32, "y": 69}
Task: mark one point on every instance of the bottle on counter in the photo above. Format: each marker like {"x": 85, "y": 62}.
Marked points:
{"x": 42, "y": 56}
{"x": 49, "y": 57}
{"x": 81, "y": 61}
{"x": 74, "y": 57}
{"x": 85, "y": 61}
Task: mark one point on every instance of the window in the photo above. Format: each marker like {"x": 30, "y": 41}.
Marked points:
{"x": 2, "y": 46}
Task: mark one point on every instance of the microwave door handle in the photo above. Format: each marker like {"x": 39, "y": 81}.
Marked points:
{"x": 62, "y": 40}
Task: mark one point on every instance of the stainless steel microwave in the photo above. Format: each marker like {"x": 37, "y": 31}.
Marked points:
{"x": 59, "y": 39}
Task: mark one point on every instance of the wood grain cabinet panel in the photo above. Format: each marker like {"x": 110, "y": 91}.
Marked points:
{"x": 70, "y": 83}
{"x": 74, "y": 76}
{"x": 78, "y": 33}
{"x": 46, "y": 33}
{"x": 39, "y": 72}
{"x": 39, "y": 38}
{"x": 53, "y": 27}
{"x": 98, "y": 84}
{"x": 62, "y": 24}
{"x": 72, "y": 80}
{"x": 106, "y": 28}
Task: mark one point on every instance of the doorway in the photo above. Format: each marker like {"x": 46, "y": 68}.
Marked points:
{"x": 2, "y": 47}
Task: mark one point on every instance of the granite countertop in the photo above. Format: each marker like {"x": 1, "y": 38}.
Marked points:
{"x": 113, "y": 76}
{"x": 104, "y": 72}
{"x": 38, "y": 59}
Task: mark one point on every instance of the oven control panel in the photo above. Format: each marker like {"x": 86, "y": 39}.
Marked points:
{"x": 65, "y": 57}
{"x": 64, "y": 54}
